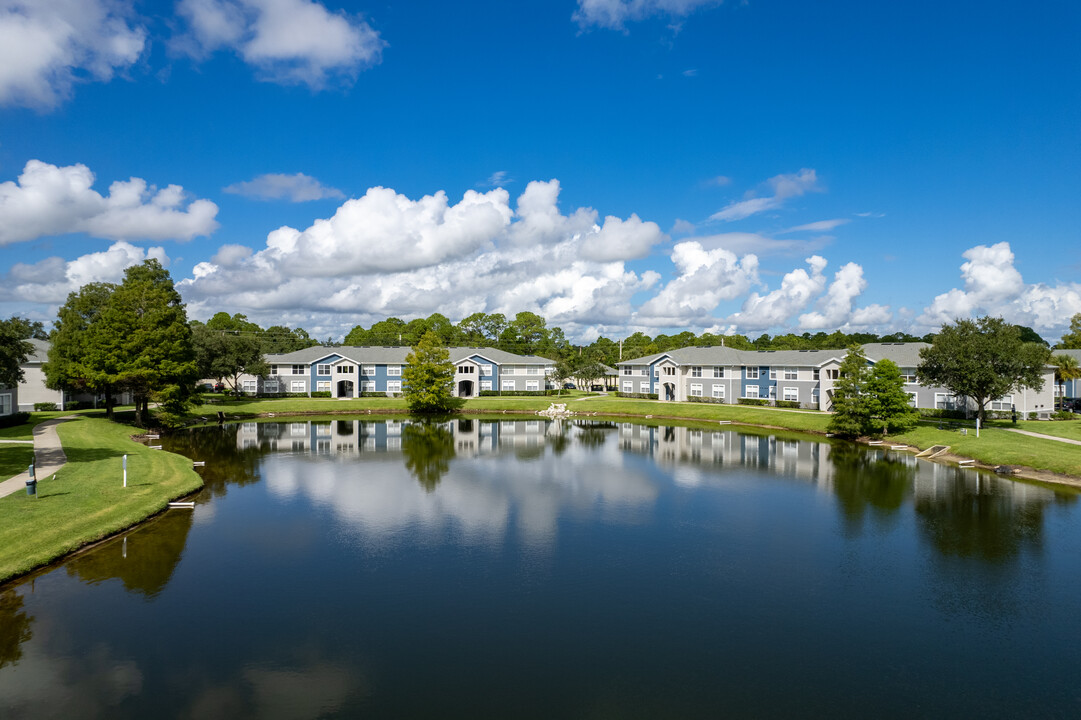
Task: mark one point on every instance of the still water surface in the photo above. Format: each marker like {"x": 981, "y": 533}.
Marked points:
{"x": 546, "y": 570}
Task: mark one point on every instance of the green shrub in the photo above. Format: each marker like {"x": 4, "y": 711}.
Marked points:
{"x": 321, "y": 394}
{"x": 18, "y": 418}
{"x": 704, "y": 399}
{"x": 516, "y": 393}
{"x": 73, "y": 405}
{"x": 638, "y": 396}
{"x": 753, "y": 401}
{"x": 1063, "y": 415}
{"x": 788, "y": 404}
{"x": 40, "y": 407}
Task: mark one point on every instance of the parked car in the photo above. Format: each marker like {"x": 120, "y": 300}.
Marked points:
{"x": 1072, "y": 404}
{"x": 219, "y": 387}
{"x": 569, "y": 386}
{"x": 596, "y": 388}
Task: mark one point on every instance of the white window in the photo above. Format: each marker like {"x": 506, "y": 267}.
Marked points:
{"x": 345, "y": 370}
{"x": 249, "y": 386}
{"x": 814, "y": 374}
{"x": 1000, "y": 404}
{"x": 322, "y": 386}
{"x": 298, "y": 429}
{"x": 368, "y": 370}
{"x": 273, "y": 369}
{"x": 772, "y": 392}
{"x": 322, "y": 429}
{"x": 751, "y": 373}
{"x": 912, "y": 399}
{"x": 486, "y": 370}
{"x": 367, "y": 386}
{"x": 814, "y": 396}
{"x": 718, "y": 391}
{"x": 696, "y": 371}
{"x": 532, "y": 385}
{"x": 945, "y": 401}
{"x": 791, "y": 374}
{"x": 508, "y": 384}
{"x": 485, "y": 384}
{"x": 532, "y": 370}
{"x": 628, "y": 387}
{"x": 669, "y": 370}
{"x": 643, "y": 387}
{"x": 718, "y": 372}
{"x": 751, "y": 391}
{"x": 773, "y": 373}
{"x": 656, "y": 372}
{"x": 627, "y": 370}
{"x": 322, "y": 369}
{"x": 394, "y": 386}
{"x": 5, "y": 404}
{"x": 909, "y": 375}
{"x": 466, "y": 369}
{"x": 696, "y": 389}
{"x": 322, "y": 446}
{"x": 297, "y": 386}
{"x": 270, "y": 386}
{"x": 791, "y": 394}
{"x": 394, "y": 370}
{"x": 394, "y": 443}
{"x": 298, "y": 370}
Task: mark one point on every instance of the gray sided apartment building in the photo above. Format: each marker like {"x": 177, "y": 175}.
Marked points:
{"x": 347, "y": 372}
{"x": 726, "y": 375}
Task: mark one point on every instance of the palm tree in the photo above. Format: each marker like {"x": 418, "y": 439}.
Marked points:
{"x": 1066, "y": 368}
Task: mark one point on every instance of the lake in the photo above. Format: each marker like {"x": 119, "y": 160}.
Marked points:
{"x": 536, "y": 569}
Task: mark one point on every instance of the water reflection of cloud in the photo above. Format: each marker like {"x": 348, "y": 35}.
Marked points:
{"x": 41, "y": 685}
{"x": 479, "y": 498}
{"x": 318, "y": 690}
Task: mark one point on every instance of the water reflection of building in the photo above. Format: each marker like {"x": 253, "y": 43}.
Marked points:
{"x": 681, "y": 445}
{"x": 323, "y": 437}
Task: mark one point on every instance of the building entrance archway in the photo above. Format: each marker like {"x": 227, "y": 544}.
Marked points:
{"x": 345, "y": 388}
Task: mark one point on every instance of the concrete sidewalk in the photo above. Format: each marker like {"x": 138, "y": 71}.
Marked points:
{"x": 1045, "y": 437}
{"x": 48, "y": 456}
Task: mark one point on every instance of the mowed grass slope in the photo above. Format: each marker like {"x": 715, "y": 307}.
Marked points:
{"x": 86, "y": 501}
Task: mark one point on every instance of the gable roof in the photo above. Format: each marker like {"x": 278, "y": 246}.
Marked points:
{"x": 386, "y": 355}
{"x": 904, "y": 354}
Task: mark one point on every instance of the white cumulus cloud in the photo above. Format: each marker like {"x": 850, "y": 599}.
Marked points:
{"x": 50, "y": 200}
{"x": 287, "y": 41}
{"x": 50, "y": 280}
{"x": 798, "y": 289}
{"x": 835, "y": 307}
{"x": 47, "y": 46}
{"x": 276, "y": 186}
{"x": 993, "y": 286}
{"x": 705, "y": 278}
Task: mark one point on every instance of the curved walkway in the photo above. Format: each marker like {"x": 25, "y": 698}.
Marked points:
{"x": 48, "y": 456}
{"x": 1045, "y": 437}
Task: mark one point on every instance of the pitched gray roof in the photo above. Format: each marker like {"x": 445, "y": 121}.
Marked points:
{"x": 380, "y": 355}
{"x": 41, "y": 351}
{"x": 1075, "y": 354}
{"x": 904, "y": 354}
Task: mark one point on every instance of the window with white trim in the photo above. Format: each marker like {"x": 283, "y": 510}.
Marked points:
{"x": 485, "y": 384}
{"x": 394, "y": 370}
{"x": 533, "y": 370}
{"x": 643, "y": 387}
{"x": 466, "y": 369}
{"x": 696, "y": 371}
{"x": 299, "y": 370}
{"x": 718, "y": 371}
{"x": 367, "y": 370}
{"x": 345, "y": 369}
{"x": 367, "y": 386}
{"x": 718, "y": 392}
{"x": 394, "y": 386}
{"x": 626, "y": 369}
{"x": 485, "y": 369}
{"x": 772, "y": 392}
{"x": 532, "y": 384}
{"x": 249, "y": 386}
{"x": 773, "y": 373}
{"x": 628, "y": 386}
{"x": 1003, "y": 403}
{"x": 5, "y": 404}
{"x": 656, "y": 371}
{"x": 322, "y": 386}
{"x": 273, "y": 369}
{"x": 508, "y": 384}
{"x": 322, "y": 369}
{"x": 270, "y": 386}
{"x": 696, "y": 389}
{"x": 913, "y": 399}
{"x": 791, "y": 394}
{"x": 909, "y": 375}
{"x": 750, "y": 391}
{"x": 297, "y": 386}
{"x": 814, "y": 373}
{"x": 670, "y": 371}
{"x": 945, "y": 401}
{"x": 751, "y": 372}
{"x": 791, "y": 373}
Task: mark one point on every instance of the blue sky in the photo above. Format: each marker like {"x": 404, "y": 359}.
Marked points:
{"x": 614, "y": 165}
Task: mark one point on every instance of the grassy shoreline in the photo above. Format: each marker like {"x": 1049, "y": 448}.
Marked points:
{"x": 85, "y": 502}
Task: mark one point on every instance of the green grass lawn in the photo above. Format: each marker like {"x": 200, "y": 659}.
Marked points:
{"x": 86, "y": 502}
{"x": 14, "y": 459}
{"x": 997, "y": 446}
